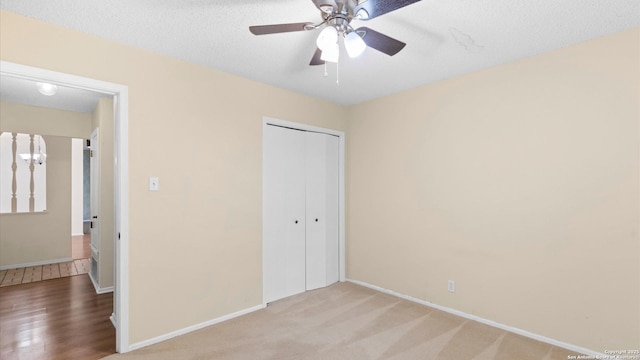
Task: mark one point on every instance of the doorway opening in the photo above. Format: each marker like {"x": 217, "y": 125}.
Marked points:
{"x": 120, "y": 316}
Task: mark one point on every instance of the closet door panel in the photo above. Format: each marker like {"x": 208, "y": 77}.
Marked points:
{"x": 332, "y": 189}
{"x": 315, "y": 210}
{"x": 284, "y": 204}
{"x": 321, "y": 210}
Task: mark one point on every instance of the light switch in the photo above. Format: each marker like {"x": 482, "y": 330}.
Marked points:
{"x": 154, "y": 183}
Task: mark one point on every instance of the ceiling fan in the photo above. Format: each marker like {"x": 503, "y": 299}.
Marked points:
{"x": 336, "y": 20}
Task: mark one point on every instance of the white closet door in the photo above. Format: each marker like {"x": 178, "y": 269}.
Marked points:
{"x": 322, "y": 183}
{"x": 284, "y": 215}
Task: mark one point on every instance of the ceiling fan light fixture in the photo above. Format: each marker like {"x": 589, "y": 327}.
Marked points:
{"x": 354, "y": 44}
{"x": 327, "y": 38}
{"x": 46, "y": 88}
{"x": 331, "y": 53}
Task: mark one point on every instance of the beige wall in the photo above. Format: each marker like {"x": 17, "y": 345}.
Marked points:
{"x": 35, "y": 237}
{"x": 521, "y": 183}
{"x": 195, "y": 245}
{"x": 44, "y": 121}
{"x": 102, "y": 119}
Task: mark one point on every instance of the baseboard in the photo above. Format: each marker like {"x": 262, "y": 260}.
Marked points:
{"x": 36, "y": 263}
{"x": 189, "y": 329}
{"x": 79, "y": 234}
{"x": 571, "y": 347}
{"x": 99, "y": 290}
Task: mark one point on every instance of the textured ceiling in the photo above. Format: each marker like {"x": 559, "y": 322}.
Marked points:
{"x": 445, "y": 38}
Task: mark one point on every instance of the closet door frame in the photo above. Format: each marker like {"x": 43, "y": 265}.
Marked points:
{"x": 267, "y": 121}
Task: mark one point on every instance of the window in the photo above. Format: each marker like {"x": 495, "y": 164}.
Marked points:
{"x": 23, "y": 173}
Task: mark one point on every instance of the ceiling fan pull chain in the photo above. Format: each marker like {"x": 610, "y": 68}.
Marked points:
{"x": 337, "y": 74}
{"x": 325, "y": 69}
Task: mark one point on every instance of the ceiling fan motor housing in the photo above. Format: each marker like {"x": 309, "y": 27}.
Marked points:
{"x": 340, "y": 22}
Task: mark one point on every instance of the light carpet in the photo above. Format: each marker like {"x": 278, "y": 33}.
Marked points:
{"x": 348, "y": 321}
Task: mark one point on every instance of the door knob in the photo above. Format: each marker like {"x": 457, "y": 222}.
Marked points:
{"x": 95, "y": 217}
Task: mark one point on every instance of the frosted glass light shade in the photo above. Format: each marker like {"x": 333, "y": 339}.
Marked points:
{"x": 354, "y": 44}
{"x": 327, "y": 37}
{"x": 331, "y": 53}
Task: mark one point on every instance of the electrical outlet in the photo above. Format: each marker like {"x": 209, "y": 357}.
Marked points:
{"x": 451, "y": 286}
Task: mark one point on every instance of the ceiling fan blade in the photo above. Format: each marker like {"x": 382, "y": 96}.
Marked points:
{"x": 380, "y": 42}
{"x": 315, "y": 60}
{"x": 277, "y": 28}
{"x": 375, "y": 8}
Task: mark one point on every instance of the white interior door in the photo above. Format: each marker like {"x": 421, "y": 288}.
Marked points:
{"x": 94, "y": 180}
{"x": 284, "y": 213}
{"x": 322, "y": 196}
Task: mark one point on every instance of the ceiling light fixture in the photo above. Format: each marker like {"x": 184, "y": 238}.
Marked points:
{"x": 327, "y": 41}
{"x": 354, "y": 44}
{"x": 46, "y": 88}
{"x": 337, "y": 16}
{"x": 327, "y": 38}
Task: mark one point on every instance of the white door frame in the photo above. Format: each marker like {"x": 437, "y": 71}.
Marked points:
{"x": 341, "y": 186}
{"x": 120, "y": 95}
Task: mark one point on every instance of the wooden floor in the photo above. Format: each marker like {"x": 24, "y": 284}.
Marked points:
{"x": 56, "y": 319}
{"x": 81, "y": 246}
